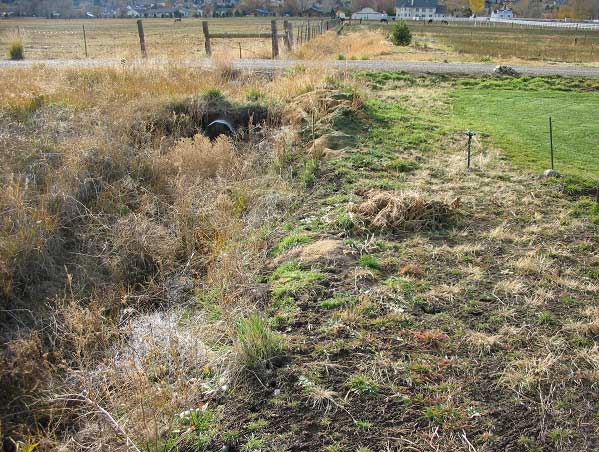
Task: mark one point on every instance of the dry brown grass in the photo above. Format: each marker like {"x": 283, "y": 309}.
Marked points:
{"x": 117, "y": 38}
{"x": 358, "y": 45}
{"x": 404, "y": 211}
{"x": 112, "y": 229}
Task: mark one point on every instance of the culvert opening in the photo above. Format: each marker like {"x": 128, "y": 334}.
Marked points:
{"x": 211, "y": 115}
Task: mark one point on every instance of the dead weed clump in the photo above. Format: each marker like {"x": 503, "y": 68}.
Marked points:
{"x": 199, "y": 156}
{"x": 397, "y": 212}
{"x": 362, "y": 44}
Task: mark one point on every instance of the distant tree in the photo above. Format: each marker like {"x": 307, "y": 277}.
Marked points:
{"x": 357, "y": 5}
{"x": 477, "y": 5}
{"x": 566, "y": 12}
{"x": 292, "y": 7}
{"x": 456, "y": 6}
{"x": 251, "y": 5}
{"x": 584, "y": 9}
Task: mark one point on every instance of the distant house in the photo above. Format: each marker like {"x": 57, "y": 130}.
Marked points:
{"x": 417, "y": 9}
{"x": 167, "y": 12}
{"x": 316, "y": 10}
{"x": 504, "y": 13}
{"x": 263, "y": 12}
{"x": 369, "y": 14}
{"x": 132, "y": 12}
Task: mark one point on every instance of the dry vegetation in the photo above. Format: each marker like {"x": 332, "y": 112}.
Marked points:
{"x": 118, "y": 38}
{"x": 331, "y": 278}
{"x": 365, "y": 44}
{"x": 183, "y": 41}
{"x": 118, "y": 221}
{"x": 464, "y": 43}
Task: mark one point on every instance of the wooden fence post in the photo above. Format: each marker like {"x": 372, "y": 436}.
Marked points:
{"x": 142, "y": 39}
{"x": 308, "y": 31}
{"x": 290, "y": 36}
{"x": 286, "y": 38}
{"x": 275, "y": 39}
{"x": 85, "y": 41}
{"x": 206, "y": 38}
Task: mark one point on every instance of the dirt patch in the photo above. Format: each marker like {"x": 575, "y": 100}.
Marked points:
{"x": 403, "y": 211}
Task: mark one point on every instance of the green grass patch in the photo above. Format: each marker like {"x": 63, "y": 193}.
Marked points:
{"x": 290, "y": 279}
{"x": 518, "y": 121}
{"x": 371, "y": 262}
{"x": 291, "y": 242}
{"x": 338, "y": 301}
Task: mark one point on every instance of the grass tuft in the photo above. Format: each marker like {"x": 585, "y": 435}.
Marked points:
{"x": 16, "y": 48}
{"x": 257, "y": 344}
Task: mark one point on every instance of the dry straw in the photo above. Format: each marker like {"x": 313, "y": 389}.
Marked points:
{"x": 404, "y": 211}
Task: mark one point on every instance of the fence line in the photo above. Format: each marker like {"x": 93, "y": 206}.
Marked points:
{"x": 524, "y": 23}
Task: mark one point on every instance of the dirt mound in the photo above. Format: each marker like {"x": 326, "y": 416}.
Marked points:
{"x": 404, "y": 211}
{"x": 316, "y": 105}
{"x": 507, "y": 71}
{"x": 323, "y": 252}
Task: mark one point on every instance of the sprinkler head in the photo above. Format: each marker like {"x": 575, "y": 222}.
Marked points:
{"x": 470, "y": 133}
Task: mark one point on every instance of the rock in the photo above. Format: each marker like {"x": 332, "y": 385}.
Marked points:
{"x": 506, "y": 70}
{"x": 550, "y": 173}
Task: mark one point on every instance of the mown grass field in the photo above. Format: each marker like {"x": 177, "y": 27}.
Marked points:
{"x": 518, "y": 122}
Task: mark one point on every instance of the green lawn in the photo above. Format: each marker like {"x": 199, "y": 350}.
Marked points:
{"x": 518, "y": 122}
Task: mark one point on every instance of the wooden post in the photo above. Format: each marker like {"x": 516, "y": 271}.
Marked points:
{"x": 290, "y": 36}
{"x": 240, "y": 50}
{"x": 85, "y": 41}
{"x": 142, "y": 39}
{"x": 206, "y": 38}
{"x": 286, "y": 39}
{"x": 275, "y": 39}
{"x": 308, "y": 31}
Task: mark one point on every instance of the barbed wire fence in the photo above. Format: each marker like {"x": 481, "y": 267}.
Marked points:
{"x": 64, "y": 40}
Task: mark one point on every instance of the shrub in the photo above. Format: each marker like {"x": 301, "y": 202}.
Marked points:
{"x": 401, "y": 35}
{"x": 257, "y": 344}
{"x": 16, "y": 48}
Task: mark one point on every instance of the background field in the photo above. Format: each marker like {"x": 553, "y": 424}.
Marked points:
{"x": 502, "y": 42}
{"x": 518, "y": 121}
{"x": 118, "y": 38}
{"x": 51, "y": 39}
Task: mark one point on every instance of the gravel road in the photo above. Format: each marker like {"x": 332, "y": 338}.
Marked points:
{"x": 353, "y": 65}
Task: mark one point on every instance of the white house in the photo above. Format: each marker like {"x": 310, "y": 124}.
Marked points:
{"x": 369, "y": 14}
{"x": 132, "y": 12}
{"x": 505, "y": 13}
{"x": 416, "y": 9}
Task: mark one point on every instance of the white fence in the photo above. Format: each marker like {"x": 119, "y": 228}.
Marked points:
{"x": 524, "y": 23}
{"x": 550, "y": 24}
